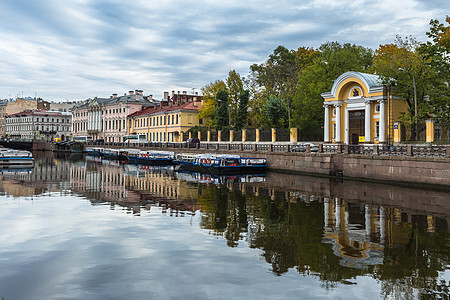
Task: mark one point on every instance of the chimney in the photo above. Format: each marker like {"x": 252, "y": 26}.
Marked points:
{"x": 130, "y": 92}
{"x": 196, "y": 93}
{"x": 173, "y": 93}
{"x": 110, "y": 97}
{"x": 137, "y": 95}
{"x": 178, "y": 92}
{"x": 141, "y": 92}
{"x": 114, "y": 95}
{"x": 150, "y": 97}
{"x": 184, "y": 92}
{"x": 166, "y": 95}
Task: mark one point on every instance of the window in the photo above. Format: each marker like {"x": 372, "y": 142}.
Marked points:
{"x": 377, "y": 129}
{"x": 334, "y": 111}
{"x": 334, "y": 130}
{"x": 176, "y": 119}
{"x": 377, "y": 108}
{"x": 189, "y": 118}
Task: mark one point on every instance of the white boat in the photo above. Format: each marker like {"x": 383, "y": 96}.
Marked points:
{"x": 11, "y": 158}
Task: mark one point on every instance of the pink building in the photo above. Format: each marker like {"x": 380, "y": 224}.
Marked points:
{"x": 106, "y": 118}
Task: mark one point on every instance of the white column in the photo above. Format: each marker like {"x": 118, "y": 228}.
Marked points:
{"x": 382, "y": 138}
{"x": 346, "y": 132}
{"x": 367, "y": 214}
{"x": 337, "y": 206}
{"x": 326, "y": 133}
{"x": 367, "y": 122}
{"x": 338, "y": 122}
{"x": 382, "y": 224}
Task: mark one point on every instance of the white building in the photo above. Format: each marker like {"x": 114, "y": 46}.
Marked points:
{"x": 39, "y": 124}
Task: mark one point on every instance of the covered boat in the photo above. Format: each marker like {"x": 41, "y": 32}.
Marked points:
{"x": 11, "y": 158}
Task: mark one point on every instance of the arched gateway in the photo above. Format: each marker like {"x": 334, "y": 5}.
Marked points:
{"x": 359, "y": 108}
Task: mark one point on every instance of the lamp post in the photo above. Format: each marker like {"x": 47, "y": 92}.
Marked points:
{"x": 415, "y": 96}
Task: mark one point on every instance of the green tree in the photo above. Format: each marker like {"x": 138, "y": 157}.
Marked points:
{"x": 222, "y": 118}
{"x": 332, "y": 60}
{"x": 241, "y": 115}
{"x": 278, "y": 75}
{"x": 234, "y": 87}
{"x": 208, "y": 109}
{"x": 437, "y": 54}
{"x": 276, "y": 112}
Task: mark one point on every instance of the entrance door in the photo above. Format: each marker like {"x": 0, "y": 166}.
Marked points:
{"x": 356, "y": 125}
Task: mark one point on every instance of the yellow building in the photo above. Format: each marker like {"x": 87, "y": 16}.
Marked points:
{"x": 360, "y": 108}
{"x": 165, "y": 123}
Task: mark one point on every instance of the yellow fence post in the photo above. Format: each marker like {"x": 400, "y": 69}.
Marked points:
{"x": 190, "y": 134}
{"x": 231, "y": 135}
{"x": 181, "y": 136}
{"x": 219, "y": 135}
{"x": 244, "y": 135}
{"x": 430, "y": 131}
{"x": 257, "y": 135}
{"x": 397, "y": 132}
{"x": 294, "y": 135}
{"x": 208, "y": 138}
{"x": 274, "y": 135}
{"x": 199, "y": 135}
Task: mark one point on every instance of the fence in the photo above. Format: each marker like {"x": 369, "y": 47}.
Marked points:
{"x": 442, "y": 151}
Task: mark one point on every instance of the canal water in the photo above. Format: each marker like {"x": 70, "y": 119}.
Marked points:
{"x": 78, "y": 227}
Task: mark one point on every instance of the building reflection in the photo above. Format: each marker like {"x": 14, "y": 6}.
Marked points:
{"x": 334, "y": 230}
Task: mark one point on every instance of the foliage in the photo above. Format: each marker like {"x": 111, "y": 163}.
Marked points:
{"x": 208, "y": 109}
{"x": 241, "y": 115}
{"x": 234, "y": 88}
{"x": 222, "y": 118}
{"x": 437, "y": 55}
{"x": 276, "y": 112}
{"x": 318, "y": 77}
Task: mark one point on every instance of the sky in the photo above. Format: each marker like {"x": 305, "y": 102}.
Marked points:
{"x": 63, "y": 50}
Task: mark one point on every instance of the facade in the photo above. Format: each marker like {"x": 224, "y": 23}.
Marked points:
{"x": 105, "y": 118}
{"x": 360, "y": 109}
{"x": 63, "y": 106}
{"x": 39, "y": 124}
{"x": 9, "y": 107}
{"x": 167, "y": 122}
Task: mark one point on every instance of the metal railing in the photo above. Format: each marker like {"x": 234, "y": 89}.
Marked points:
{"x": 381, "y": 150}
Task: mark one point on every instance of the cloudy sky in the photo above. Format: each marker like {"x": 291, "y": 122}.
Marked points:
{"x": 76, "y": 49}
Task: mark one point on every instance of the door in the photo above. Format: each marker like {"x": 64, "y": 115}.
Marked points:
{"x": 356, "y": 125}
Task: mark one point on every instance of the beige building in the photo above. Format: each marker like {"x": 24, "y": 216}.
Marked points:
{"x": 15, "y": 106}
{"x": 168, "y": 121}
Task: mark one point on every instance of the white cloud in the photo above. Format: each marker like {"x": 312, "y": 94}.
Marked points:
{"x": 80, "y": 49}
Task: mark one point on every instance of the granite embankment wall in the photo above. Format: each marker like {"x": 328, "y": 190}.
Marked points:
{"x": 424, "y": 170}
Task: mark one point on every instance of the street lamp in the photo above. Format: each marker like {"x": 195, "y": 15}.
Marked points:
{"x": 415, "y": 95}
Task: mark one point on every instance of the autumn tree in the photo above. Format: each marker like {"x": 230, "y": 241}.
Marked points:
{"x": 208, "y": 109}
{"x": 401, "y": 65}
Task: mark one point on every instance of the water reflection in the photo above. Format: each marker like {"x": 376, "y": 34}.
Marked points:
{"x": 336, "y": 231}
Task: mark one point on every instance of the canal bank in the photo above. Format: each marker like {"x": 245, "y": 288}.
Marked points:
{"x": 390, "y": 169}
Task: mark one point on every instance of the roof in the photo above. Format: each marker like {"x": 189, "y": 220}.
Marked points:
{"x": 119, "y": 99}
{"x": 371, "y": 81}
{"x": 40, "y": 112}
{"x": 187, "y": 106}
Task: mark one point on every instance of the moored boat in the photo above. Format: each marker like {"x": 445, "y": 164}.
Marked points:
{"x": 221, "y": 163}
{"x": 156, "y": 157}
{"x": 11, "y": 158}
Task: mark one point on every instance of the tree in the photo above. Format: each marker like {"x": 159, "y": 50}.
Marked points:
{"x": 276, "y": 112}
{"x": 437, "y": 55}
{"x": 278, "y": 75}
{"x": 401, "y": 65}
{"x": 222, "y": 119}
{"x": 241, "y": 115}
{"x": 332, "y": 60}
{"x": 208, "y": 109}
{"x": 234, "y": 87}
